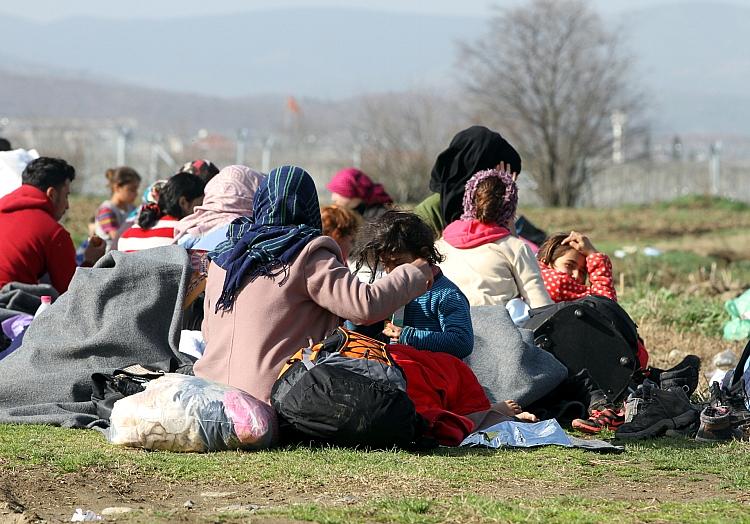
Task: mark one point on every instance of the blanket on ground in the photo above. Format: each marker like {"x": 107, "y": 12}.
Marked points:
{"x": 444, "y": 391}
{"x": 126, "y": 309}
{"x": 506, "y": 361}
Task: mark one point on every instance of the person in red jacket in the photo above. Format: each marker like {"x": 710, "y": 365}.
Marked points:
{"x": 33, "y": 243}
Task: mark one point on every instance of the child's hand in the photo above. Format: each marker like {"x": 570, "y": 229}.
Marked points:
{"x": 392, "y": 331}
{"x": 94, "y": 251}
{"x": 580, "y": 243}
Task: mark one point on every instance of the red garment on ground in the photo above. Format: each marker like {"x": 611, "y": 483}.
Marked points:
{"x": 32, "y": 242}
{"x": 443, "y": 389}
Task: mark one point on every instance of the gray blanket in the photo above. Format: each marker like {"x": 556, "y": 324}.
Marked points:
{"x": 506, "y": 361}
{"x": 16, "y": 297}
{"x": 125, "y": 310}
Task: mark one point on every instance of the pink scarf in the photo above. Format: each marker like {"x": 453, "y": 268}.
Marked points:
{"x": 465, "y": 234}
{"x": 227, "y": 196}
{"x": 353, "y": 183}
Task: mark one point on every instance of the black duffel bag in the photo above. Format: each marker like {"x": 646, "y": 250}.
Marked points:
{"x": 592, "y": 333}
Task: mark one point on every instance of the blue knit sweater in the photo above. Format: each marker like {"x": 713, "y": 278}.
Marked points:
{"x": 439, "y": 320}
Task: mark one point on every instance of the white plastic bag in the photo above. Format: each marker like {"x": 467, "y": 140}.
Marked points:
{"x": 185, "y": 413}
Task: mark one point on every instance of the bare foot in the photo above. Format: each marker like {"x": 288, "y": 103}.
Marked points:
{"x": 527, "y": 417}
{"x": 508, "y": 407}
{"x": 513, "y": 406}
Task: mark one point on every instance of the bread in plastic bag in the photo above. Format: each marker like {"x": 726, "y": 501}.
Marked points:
{"x": 185, "y": 413}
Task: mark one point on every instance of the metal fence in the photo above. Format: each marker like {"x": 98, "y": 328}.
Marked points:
{"x": 93, "y": 147}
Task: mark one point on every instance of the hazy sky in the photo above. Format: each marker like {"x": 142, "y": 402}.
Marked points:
{"x": 45, "y": 10}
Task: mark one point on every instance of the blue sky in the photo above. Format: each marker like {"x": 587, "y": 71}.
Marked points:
{"x": 46, "y": 10}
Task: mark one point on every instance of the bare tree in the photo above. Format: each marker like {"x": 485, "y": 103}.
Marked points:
{"x": 399, "y": 136}
{"x": 549, "y": 75}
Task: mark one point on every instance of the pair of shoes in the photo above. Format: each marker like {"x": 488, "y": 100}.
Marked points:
{"x": 718, "y": 425}
{"x": 651, "y": 411}
{"x": 684, "y": 375}
{"x": 607, "y": 418}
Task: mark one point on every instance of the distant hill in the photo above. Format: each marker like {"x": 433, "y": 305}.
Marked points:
{"x": 693, "y": 62}
{"x": 65, "y": 97}
{"x": 323, "y": 52}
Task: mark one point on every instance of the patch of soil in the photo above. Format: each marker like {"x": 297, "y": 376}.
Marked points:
{"x": 37, "y": 495}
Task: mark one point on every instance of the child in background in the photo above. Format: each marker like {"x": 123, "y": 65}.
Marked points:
{"x": 341, "y": 224}
{"x": 566, "y": 260}
{"x": 123, "y": 182}
{"x": 81, "y": 251}
{"x": 439, "y": 320}
{"x": 156, "y": 222}
{"x": 202, "y": 168}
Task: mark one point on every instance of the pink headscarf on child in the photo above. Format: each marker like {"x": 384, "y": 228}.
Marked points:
{"x": 227, "y": 196}
{"x": 353, "y": 183}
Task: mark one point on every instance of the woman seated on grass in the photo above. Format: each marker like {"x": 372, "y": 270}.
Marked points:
{"x": 279, "y": 283}
{"x": 483, "y": 258}
{"x": 353, "y": 189}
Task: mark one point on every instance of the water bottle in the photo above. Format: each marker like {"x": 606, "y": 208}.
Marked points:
{"x": 46, "y": 302}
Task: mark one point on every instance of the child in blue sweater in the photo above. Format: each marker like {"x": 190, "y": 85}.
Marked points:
{"x": 439, "y": 320}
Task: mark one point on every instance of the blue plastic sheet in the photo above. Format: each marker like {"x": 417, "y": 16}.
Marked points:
{"x": 512, "y": 434}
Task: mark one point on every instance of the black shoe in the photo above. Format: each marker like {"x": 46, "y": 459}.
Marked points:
{"x": 650, "y": 411}
{"x": 734, "y": 399}
{"x": 684, "y": 375}
{"x": 588, "y": 391}
{"x": 718, "y": 425}
{"x": 688, "y": 431}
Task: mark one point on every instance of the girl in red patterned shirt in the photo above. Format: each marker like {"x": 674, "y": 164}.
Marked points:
{"x": 566, "y": 260}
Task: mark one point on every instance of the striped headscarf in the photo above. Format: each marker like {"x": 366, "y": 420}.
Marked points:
{"x": 286, "y": 217}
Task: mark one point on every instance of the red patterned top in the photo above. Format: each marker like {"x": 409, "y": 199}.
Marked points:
{"x": 562, "y": 286}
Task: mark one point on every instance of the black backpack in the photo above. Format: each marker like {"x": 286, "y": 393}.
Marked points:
{"x": 346, "y": 390}
{"x": 594, "y": 333}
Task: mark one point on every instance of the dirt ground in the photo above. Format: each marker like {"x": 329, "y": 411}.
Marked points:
{"x": 37, "y": 495}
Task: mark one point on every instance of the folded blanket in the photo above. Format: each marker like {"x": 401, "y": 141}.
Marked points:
{"x": 126, "y": 309}
{"x": 506, "y": 361}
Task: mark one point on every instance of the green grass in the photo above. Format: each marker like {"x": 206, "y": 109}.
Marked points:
{"x": 485, "y": 509}
{"x": 664, "y": 480}
{"x": 446, "y": 485}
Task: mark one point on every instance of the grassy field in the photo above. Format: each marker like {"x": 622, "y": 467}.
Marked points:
{"x": 677, "y": 300}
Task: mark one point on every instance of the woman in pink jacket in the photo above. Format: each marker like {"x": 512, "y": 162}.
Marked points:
{"x": 277, "y": 283}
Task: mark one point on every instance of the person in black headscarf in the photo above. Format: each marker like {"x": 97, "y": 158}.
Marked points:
{"x": 474, "y": 149}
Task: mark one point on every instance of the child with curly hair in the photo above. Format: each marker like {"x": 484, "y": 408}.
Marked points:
{"x": 439, "y": 320}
